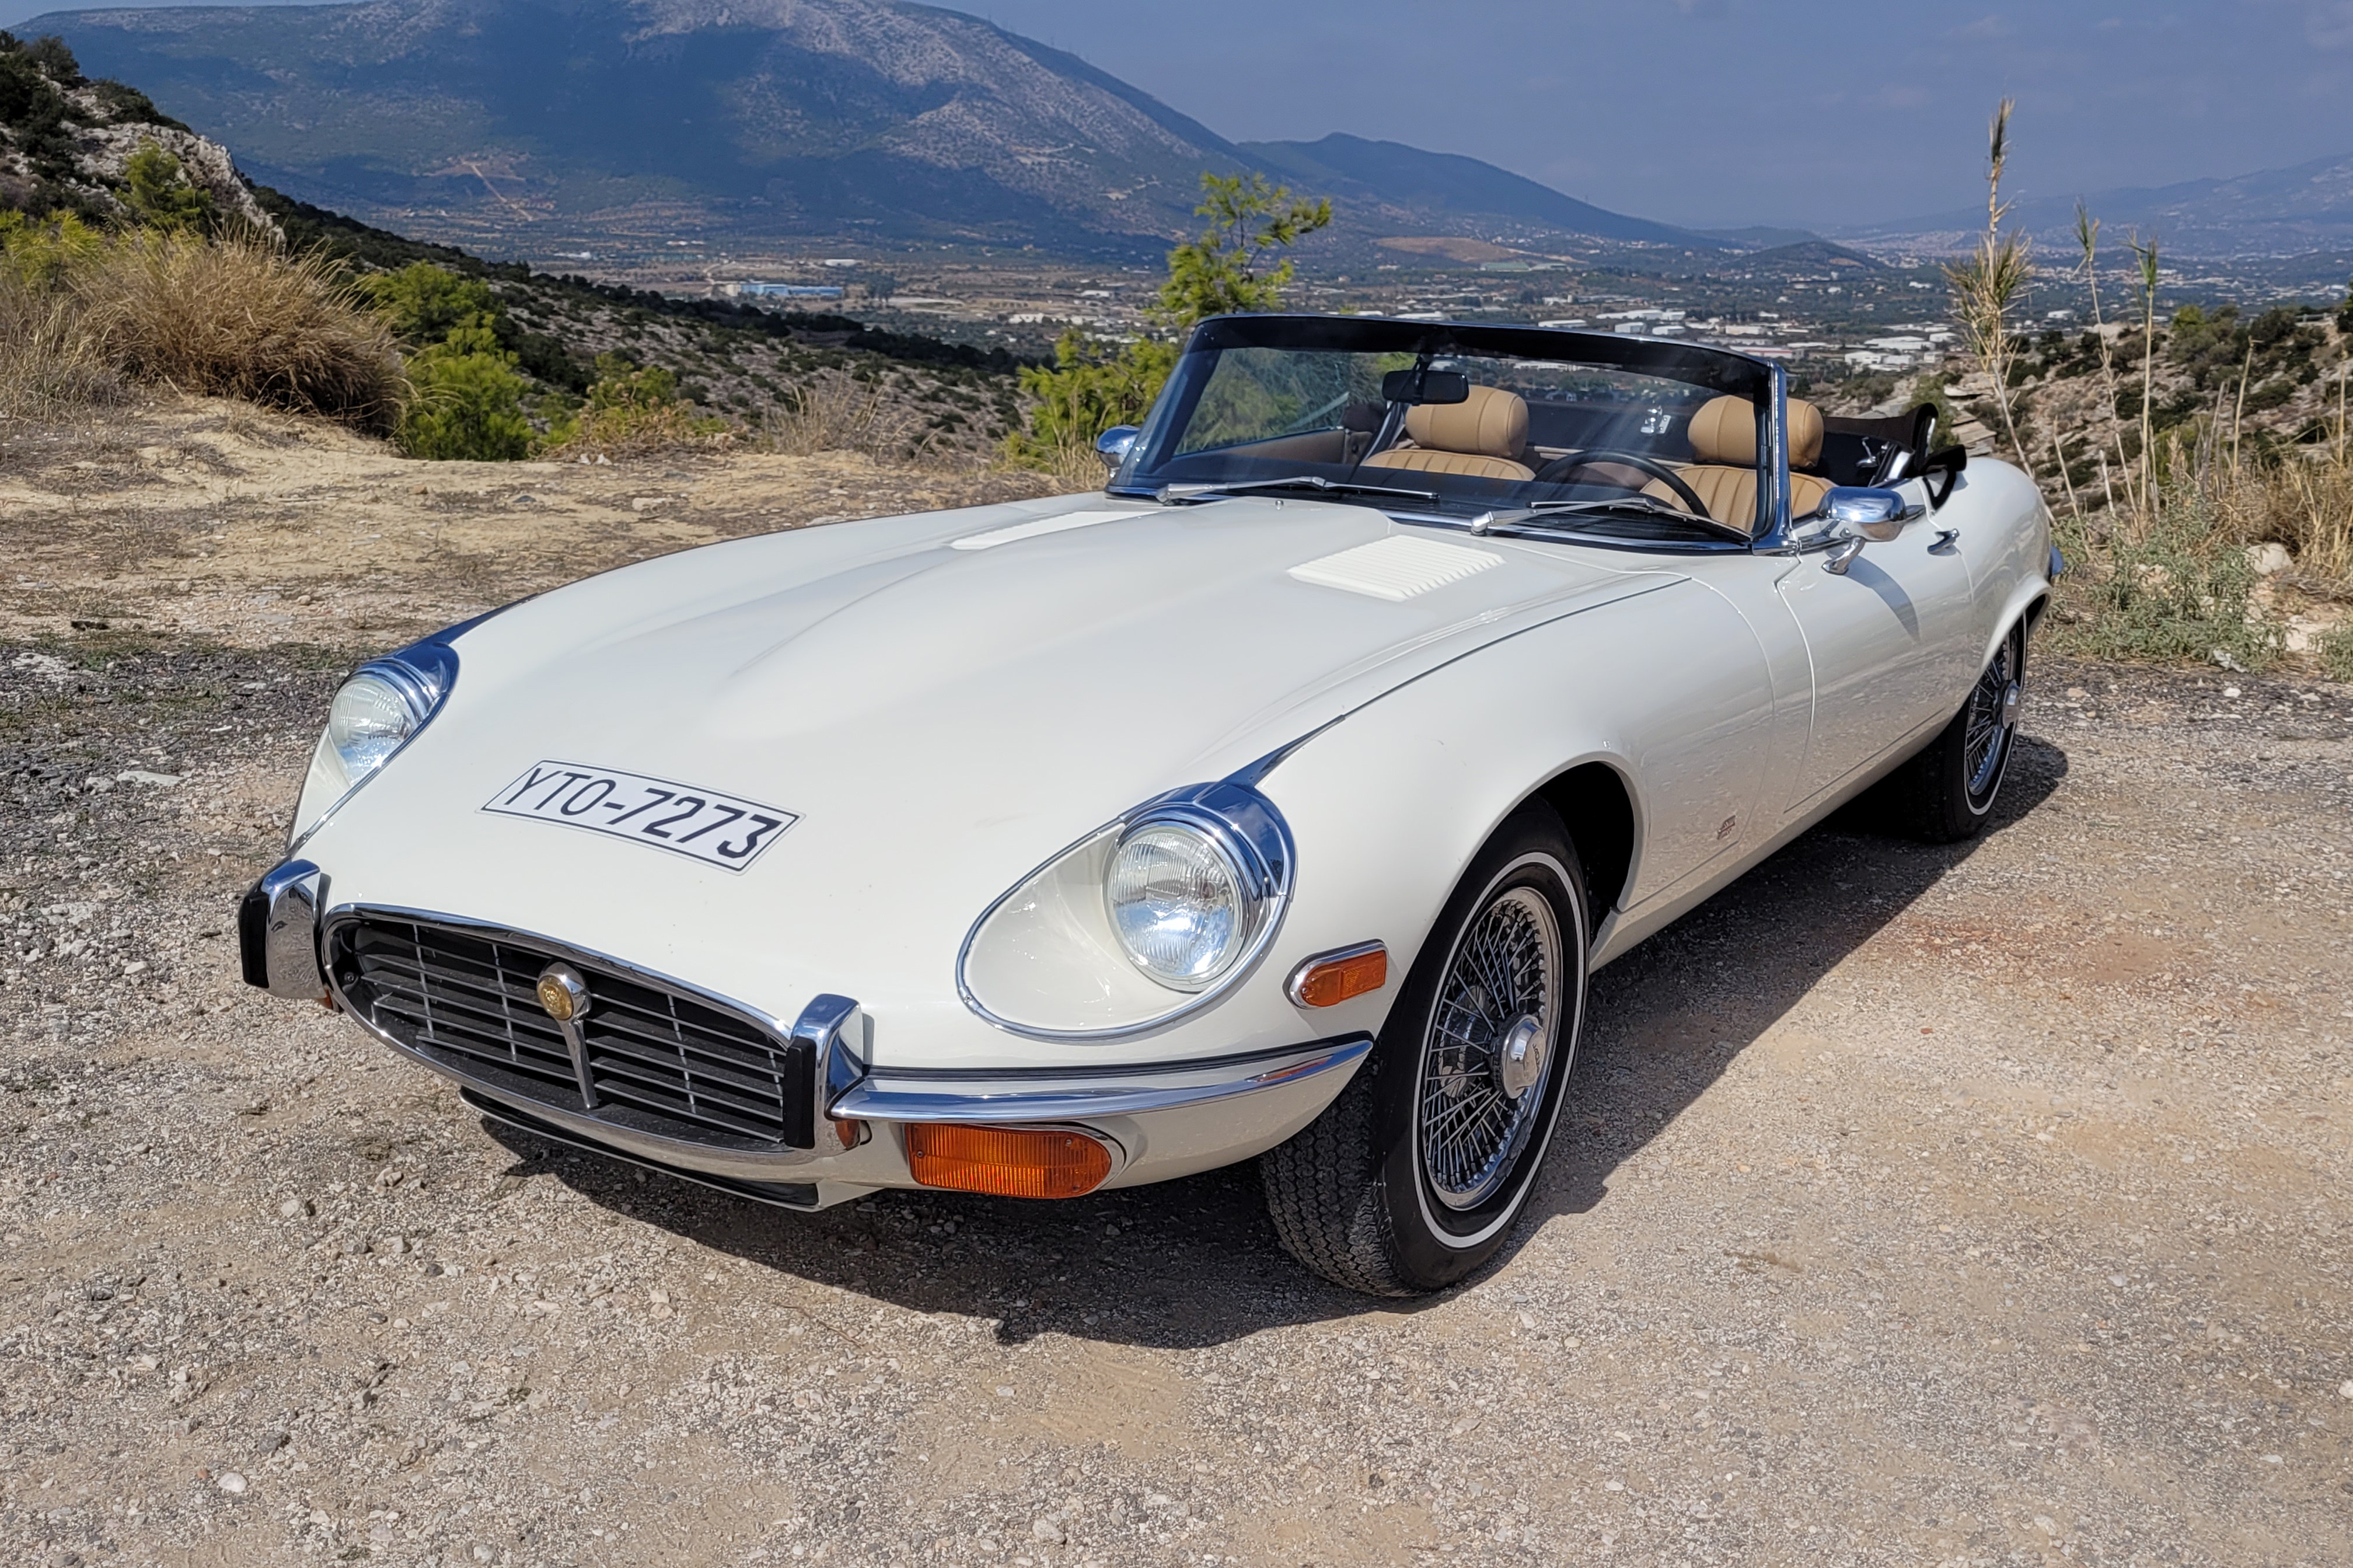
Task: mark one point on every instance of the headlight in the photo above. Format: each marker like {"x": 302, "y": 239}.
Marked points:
{"x": 1177, "y": 904}
{"x": 1141, "y": 922}
{"x": 378, "y": 710}
{"x": 369, "y": 719}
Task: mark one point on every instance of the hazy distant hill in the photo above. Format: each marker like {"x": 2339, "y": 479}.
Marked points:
{"x": 896, "y": 120}
{"x": 1416, "y": 185}
{"x": 2273, "y": 212}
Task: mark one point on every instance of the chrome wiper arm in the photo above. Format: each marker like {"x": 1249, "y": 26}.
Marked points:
{"x": 1644, "y": 506}
{"x": 1170, "y": 494}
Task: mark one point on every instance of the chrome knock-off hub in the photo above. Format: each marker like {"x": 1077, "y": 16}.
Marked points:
{"x": 1520, "y": 1055}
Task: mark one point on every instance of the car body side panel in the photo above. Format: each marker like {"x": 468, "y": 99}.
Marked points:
{"x": 1389, "y": 806}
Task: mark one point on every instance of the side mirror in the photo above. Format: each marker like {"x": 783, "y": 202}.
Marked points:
{"x": 1426, "y": 386}
{"x": 1114, "y": 444}
{"x": 1867, "y": 511}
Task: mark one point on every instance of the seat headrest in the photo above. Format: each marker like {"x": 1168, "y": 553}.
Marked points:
{"x": 1724, "y": 432}
{"x": 1492, "y": 423}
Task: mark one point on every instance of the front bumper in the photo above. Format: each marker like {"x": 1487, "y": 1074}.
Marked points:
{"x": 830, "y": 1086}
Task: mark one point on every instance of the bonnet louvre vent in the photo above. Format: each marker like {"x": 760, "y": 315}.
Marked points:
{"x": 1395, "y": 568}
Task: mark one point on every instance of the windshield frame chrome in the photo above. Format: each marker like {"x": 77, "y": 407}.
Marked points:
{"x": 1723, "y": 369}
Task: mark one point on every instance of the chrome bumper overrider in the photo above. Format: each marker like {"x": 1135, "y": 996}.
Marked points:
{"x": 1148, "y": 1111}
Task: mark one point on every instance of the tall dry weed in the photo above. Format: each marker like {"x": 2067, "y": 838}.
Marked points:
{"x": 842, "y": 414}
{"x": 48, "y": 368}
{"x": 239, "y": 317}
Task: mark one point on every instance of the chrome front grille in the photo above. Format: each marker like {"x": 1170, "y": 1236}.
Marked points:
{"x": 651, "y": 1058}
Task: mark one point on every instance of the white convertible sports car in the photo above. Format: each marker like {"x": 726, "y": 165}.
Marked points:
{"x": 1276, "y": 802}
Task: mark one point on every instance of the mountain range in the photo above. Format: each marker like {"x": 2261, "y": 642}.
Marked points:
{"x": 896, "y": 121}
{"x": 502, "y": 123}
{"x": 2271, "y": 213}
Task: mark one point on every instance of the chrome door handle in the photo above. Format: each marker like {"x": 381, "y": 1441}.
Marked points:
{"x": 1945, "y": 540}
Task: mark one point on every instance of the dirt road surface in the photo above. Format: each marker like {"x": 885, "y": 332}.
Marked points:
{"x": 1969, "y": 1206}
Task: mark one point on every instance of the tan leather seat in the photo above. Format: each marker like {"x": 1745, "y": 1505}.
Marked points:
{"x": 1482, "y": 437}
{"x": 1723, "y": 440}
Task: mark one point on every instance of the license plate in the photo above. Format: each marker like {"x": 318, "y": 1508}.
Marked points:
{"x": 717, "y": 829}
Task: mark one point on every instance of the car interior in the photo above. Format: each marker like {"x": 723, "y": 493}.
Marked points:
{"x": 1496, "y": 434}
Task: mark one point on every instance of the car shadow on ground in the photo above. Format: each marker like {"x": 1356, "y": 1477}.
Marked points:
{"x": 1193, "y": 1263}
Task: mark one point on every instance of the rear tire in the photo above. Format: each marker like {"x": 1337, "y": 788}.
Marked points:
{"x": 1413, "y": 1176}
{"x": 1946, "y": 792}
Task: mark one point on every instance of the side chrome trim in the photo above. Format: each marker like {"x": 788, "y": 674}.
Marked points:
{"x": 1079, "y": 1094}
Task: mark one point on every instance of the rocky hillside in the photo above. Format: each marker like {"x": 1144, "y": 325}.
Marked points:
{"x": 66, "y": 140}
{"x": 850, "y": 119}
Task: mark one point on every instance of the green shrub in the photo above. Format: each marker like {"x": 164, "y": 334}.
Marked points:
{"x": 633, "y": 409}
{"x": 1092, "y": 386}
{"x": 157, "y": 191}
{"x": 468, "y": 401}
{"x": 423, "y": 303}
{"x": 41, "y": 253}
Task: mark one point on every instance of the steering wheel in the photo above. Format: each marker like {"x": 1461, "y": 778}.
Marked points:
{"x": 1569, "y": 463}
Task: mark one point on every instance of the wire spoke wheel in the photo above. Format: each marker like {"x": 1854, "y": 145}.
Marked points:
{"x": 1992, "y": 718}
{"x": 1487, "y": 1060}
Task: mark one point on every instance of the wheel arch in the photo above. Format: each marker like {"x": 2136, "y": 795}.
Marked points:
{"x": 1597, "y": 808}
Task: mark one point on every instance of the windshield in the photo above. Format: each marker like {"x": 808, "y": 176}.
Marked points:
{"x": 1624, "y": 436}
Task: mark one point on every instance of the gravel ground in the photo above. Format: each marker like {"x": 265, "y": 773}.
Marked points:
{"x": 1981, "y": 1206}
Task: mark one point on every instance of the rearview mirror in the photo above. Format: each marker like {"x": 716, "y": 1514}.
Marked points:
{"x": 1426, "y": 386}
{"x": 1114, "y": 444}
{"x": 1872, "y": 514}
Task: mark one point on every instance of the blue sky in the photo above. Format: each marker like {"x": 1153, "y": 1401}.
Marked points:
{"x": 1736, "y": 111}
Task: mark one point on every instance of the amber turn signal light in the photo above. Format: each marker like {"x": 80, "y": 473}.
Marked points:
{"x": 1333, "y": 978}
{"x": 1009, "y": 1162}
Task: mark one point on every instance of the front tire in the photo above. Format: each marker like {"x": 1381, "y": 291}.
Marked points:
{"x": 1946, "y": 792}
{"x": 1412, "y": 1177}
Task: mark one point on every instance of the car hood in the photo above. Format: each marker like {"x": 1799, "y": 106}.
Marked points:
{"x": 943, "y": 699}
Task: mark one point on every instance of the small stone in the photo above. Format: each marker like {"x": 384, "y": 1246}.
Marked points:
{"x": 2344, "y": 1389}
{"x": 231, "y": 1483}
{"x": 295, "y": 1208}
{"x": 2119, "y": 1281}
{"x": 1004, "y": 1390}
{"x": 273, "y": 1439}
{"x": 1046, "y": 1530}
{"x": 2229, "y": 691}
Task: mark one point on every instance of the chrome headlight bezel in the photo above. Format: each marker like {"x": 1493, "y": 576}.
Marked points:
{"x": 421, "y": 676}
{"x": 1062, "y": 903}
{"x": 1246, "y": 863}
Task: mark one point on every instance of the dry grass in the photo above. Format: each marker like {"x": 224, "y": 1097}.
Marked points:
{"x": 2171, "y": 578}
{"x": 239, "y": 317}
{"x": 639, "y": 432}
{"x": 838, "y": 414}
{"x": 2307, "y": 506}
{"x": 48, "y": 368}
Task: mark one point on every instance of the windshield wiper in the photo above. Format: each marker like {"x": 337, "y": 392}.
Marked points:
{"x": 1642, "y": 506}
{"x": 1171, "y": 494}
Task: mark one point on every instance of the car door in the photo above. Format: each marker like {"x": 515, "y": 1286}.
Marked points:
{"x": 1890, "y": 645}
